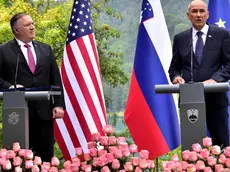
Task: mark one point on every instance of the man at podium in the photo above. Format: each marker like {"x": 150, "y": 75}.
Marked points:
{"x": 202, "y": 54}
{"x": 27, "y": 63}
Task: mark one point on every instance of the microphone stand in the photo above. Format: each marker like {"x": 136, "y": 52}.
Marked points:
{"x": 191, "y": 67}
{"x": 16, "y": 70}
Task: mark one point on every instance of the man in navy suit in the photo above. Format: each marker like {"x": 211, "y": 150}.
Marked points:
{"x": 37, "y": 67}
{"x": 211, "y": 64}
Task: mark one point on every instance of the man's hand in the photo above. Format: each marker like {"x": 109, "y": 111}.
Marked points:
{"x": 178, "y": 80}
{"x": 58, "y": 112}
{"x": 17, "y": 86}
{"x": 209, "y": 81}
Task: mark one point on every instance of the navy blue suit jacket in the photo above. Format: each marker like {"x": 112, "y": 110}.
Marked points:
{"x": 215, "y": 61}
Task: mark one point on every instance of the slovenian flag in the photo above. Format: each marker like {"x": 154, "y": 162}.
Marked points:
{"x": 152, "y": 118}
{"x": 219, "y": 15}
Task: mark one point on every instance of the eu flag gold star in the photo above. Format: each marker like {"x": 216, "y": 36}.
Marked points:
{"x": 220, "y": 23}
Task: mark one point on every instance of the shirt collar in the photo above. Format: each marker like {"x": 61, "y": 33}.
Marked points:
{"x": 204, "y": 30}
{"x": 21, "y": 44}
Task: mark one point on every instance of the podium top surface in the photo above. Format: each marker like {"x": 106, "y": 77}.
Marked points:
{"x": 215, "y": 87}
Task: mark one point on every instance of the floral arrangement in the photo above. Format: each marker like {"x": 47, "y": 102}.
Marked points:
{"x": 109, "y": 153}
{"x": 106, "y": 153}
{"x": 207, "y": 159}
{"x": 19, "y": 160}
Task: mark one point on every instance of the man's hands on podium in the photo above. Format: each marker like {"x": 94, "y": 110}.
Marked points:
{"x": 178, "y": 80}
{"x": 58, "y": 112}
{"x": 17, "y": 86}
{"x": 209, "y": 81}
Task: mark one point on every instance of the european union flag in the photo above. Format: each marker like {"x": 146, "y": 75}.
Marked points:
{"x": 219, "y": 15}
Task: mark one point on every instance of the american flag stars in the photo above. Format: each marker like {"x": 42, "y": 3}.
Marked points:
{"x": 81, "y": 21}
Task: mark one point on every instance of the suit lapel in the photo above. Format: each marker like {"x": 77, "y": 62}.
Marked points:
{"x": 208, "y": 43}
{"x": 38, "y": 53}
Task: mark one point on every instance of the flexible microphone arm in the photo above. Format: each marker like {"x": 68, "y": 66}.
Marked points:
{"x": 191, "y": 67}
{"x": 16, "y": 69}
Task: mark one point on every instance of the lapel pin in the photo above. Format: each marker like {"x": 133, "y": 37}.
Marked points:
{"x": 209, "y": 36}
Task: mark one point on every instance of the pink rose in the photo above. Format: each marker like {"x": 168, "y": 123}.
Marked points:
{"x": 133, "y": 148}
{"x": 53, "y": 169}
{"x": 18, "y": 169}
{"x": 123, "y": 145}
{"x": 78, "y": 151}
{"x": 167, "y": 170}
{"x": 143, "y": 163}
{"x": 227, "y": 151}
{"x": 87, "y": 157}
{"x": 112, "y": 140}
{"x": 22, "y": 152}
{"x": 102, "y": 152}
{"x": 191, "y": 168}
{"x": 227, "y": 162}
{"x": 211, "y": 161}
{"x": 55, "y": 161}
{"x": 138, "y": 169}
{"x": 96, "y": 136}
{"x": 184, "y": 165}
{"x": 144, "y": 154}
{"x": 219, "y": 168}
{"x": 17, "y": 161}
{"x": 76, "y": 161}
{"x": 29, "y": 154}
{"x": 135, "y": 161}
{"x": 35, "y": 168}
{"x": 91, "y": 145}
{"x": 93, "y": 152}
{"x": 196, "y": 147}
{"x": 222, "y": 159}
{"x": 37, "y": 160}
{"x": 29, "y": 164}
{"x": 3, "y": 153}
{"x": 46, "y": 165}
{"x": 73, "y": 167}
{"x": 109, "y": 157}
{"x": 16, "y": 147}
{"x": 170, "y": 164}
{"x": 88, "y": 168}
{"x": 125, "y": 152}
{"x": 104, "y": 140}
{"x": 175, "y": 158}
{"x": 121, "y": 139}
{"x": 200, "y": 165}
{"x": 10, "y": 154}
{"x": 151, "y": 164}
{"x": 105, "y": 169}
{"x": 185, "y": 155}
{"x": 207, "y": 142}
{"x": 207, "y": 169}
{"x": 115, "y": 164}
{"x": 216, "y": 150}
{"x": 112, "y": 149}
{"x": 128, "y": 166}
{"x": 193, "y": 156}
{"x": 204, "y": 153}
{"x": 108, "y": 129}
{"x": 67, "y": 164}
{"x": 118, "y": 154}
{"x": 7, "y": 165}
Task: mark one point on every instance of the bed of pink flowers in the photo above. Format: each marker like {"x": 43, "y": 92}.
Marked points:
{"x": 206, "y": 158}
{"x": 106, "y": 153}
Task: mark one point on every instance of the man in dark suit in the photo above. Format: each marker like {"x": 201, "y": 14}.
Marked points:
{"x": 37, "y": 67}
{"x": 211, "y": 64}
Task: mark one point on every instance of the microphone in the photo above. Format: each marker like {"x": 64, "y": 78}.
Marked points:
{"x": 191, "y": 67}
{"x": 16, "y": 68}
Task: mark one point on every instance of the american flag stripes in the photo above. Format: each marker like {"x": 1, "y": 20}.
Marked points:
{"x": 80, "y": 71}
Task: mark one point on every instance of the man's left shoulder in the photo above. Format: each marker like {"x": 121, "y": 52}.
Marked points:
{"x": 40, "y": 44}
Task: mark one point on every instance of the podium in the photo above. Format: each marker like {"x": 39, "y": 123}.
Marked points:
{"x": 15, "y": 115}
{"x": 192, "y": 109}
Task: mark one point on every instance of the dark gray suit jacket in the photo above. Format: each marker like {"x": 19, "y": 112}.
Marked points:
{"x": 46, "y": 73}
{"x": 215, "y": 62}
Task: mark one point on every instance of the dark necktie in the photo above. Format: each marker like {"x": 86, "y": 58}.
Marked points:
{"x": 199, "y": 46}
{"x": 31, "y": 61}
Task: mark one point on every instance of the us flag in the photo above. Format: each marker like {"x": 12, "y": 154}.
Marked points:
{"x": 80, "y": 71}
